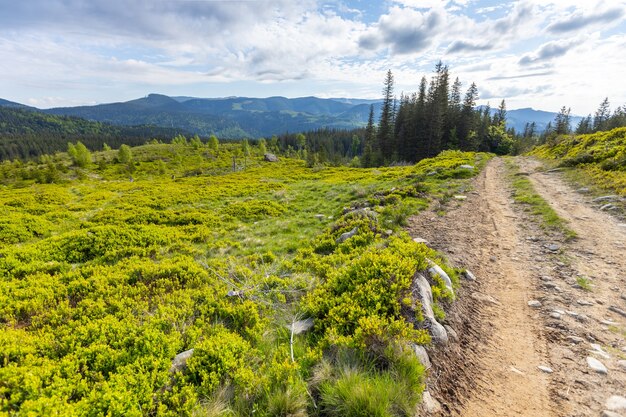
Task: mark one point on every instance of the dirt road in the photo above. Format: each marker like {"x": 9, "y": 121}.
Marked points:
{"x": 519, "y": 359}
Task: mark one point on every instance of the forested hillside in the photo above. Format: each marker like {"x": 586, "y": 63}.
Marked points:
{"x": 25, "y": 133}
{"x": 115, "y": 262}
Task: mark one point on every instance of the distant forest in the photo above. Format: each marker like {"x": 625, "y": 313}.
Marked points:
{"x": 26, "y": 134}
{"x": 415, "y": 126}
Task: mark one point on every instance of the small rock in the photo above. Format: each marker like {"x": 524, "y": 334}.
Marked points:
{"x": 582, "y": 318}
{"x": 430, "y": 405}
{"x": 607, "y": 413}
{"x": 468, "y": 275}
{"x": 484, "y": 298}
{"x": 553, "y": 247}
{"x": 466, "y": 167}
{"x": 622, "y": 364}
{"x": 460, "y": 197}
{"x": 420, "y": 240}
{"x": 616, "y": 403}
{"x": 555, "y": 315}
{"x": 454, "y": 336}
{"x": 517, "y": 371}
{"x": 545, "y": 369}
{"x": 608, "y": 206}
{"x": 320, "y": 217}
{"x": 575, "y": 339}
{"x": 597, "y": 349}
{"x": 585, "y": 302}
{"x": 597, "y": 366}
{"x": 583, "y": 190}
{"x": 493, "y": 258}
{"x": 618, "y": 311}
{"x": 347, "y": 235}
{"x": 534, "y": 303}
{"x": 388, "y": 232}
{"x": 572, "y": 313}
{"x": 608, "y": 322}
{"x": 545, "y": 278}
{"x": 605, "y": 198}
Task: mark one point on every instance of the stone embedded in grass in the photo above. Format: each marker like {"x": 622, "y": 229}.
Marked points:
{"x": 270, "y": 157}
{"x": 435, "y": 270}
{"x": 320, "y": 217}
{"x": 423, "y": 293}
{"x": 347, "y": 235}
{"x": 422, "y": 355}
{"x": 466, "y": 166}
{"x": 460, "y": 197}
{"x": 180, "y": 361}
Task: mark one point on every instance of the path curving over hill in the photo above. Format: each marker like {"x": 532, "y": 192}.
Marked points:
{"x": 494, "y": 369}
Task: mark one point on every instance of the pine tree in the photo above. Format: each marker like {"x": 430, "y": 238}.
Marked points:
{"x": 466, "y": 128}
{"x": 601, "y": 116}
{"x": 370, "y": 152}
{"x": 562, "y": 122}
{"x": 385, "y": 135}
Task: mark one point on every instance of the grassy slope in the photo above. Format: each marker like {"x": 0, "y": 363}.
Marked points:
{"x": 599, "y": 157}
{"x": 103, "y": 280}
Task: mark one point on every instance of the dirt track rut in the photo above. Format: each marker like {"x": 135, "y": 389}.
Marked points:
{"x": 494, "y": 369}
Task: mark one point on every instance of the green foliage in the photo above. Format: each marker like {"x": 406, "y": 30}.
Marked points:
{"x": 600, "y": 156}
{"x": 124, "y": 154}
{"x": 79, "y": 154}
{"x": 524, "y": 193}
{"x": 104, "y": 280}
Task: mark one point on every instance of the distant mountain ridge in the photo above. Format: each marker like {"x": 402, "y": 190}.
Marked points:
{"x": 238, "y": 117}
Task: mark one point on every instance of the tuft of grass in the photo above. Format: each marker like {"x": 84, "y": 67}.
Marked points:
{"x": 524, "y": 193}
{"x": 583, "y": 282}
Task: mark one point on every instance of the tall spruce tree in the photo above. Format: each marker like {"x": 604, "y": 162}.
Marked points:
{"x": 371, "y": 152}
{"x": 467, "y": 122}
{"x": 385, "y": 136}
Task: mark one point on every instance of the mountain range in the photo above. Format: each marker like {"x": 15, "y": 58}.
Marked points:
{"x": 237, "y": 117}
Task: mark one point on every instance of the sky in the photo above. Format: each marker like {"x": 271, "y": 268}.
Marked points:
{"x": 542, "y": 54}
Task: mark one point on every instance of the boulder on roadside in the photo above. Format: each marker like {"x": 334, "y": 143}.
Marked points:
{"x": 435, "y": 270}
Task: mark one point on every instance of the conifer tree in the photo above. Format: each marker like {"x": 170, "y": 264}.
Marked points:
{"x": 385, "y": 134}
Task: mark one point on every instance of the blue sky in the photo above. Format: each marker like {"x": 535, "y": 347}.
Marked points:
{"x": 540, "y": 54}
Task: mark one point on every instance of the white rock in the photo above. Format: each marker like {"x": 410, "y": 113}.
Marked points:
{"x": 180, "y": 360}
{"x": 607, "y": 413}
{"x": 452, "y": 333}
{"x": 575, "y": 339}
{"x": 435, "y": 269}
{"x": 468, "y": 275}
{"x": 597, "y": 349}
{"x": 422, "y": 355}
{"x": 596, "y": 365}
{"x": 555, "y": 315}
{"x": 466, "y": 167}
{"x": 460, "y": 197}
{"x": 616, "y": 403}
{"x": 534, "y": 303}
{"x": 419, "y": 240}
{"x": 545, "y": 369}
{"x": 431, "y": 406}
